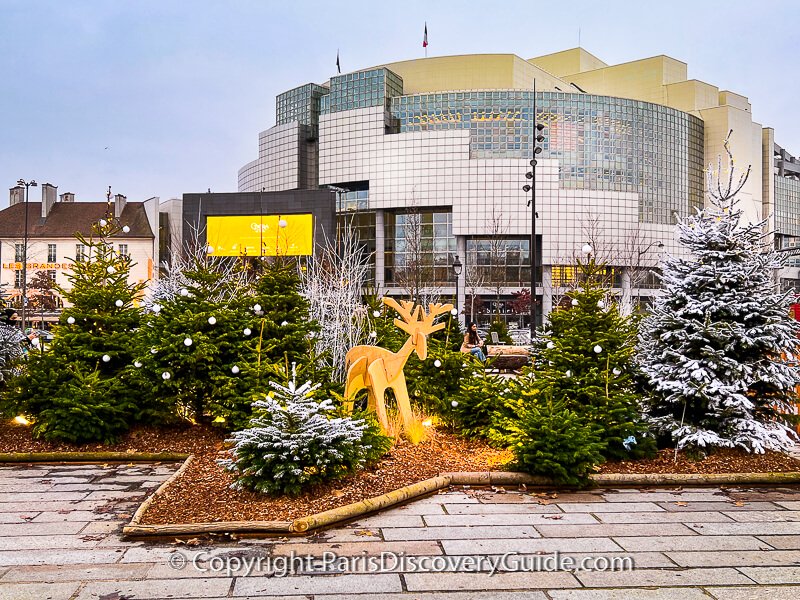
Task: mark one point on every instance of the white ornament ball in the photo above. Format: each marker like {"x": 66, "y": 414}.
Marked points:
{"x": 106, "y": 358}
{"x": 616, "y": 371}
{"x": 153, "y": 351}
{"x": 257, "y": 307}
{"x": 574, "y": 302}
{"x": 71, "y": 320}
{"x": 126, "y": 229}
{"x": 187, "y": 342}
{"x": 137, "y": 364}
{"x": 118, "y": 303}
{"x": 601, "y": 304}
{"x": 597, "y": 349}
{"x": 247, "y": 331}
{"x": 373, "y": 334}
{"x": 285, "y": 323}
{"x": 376, "y": 313}
{"x": 35, "y": 342}
{"x": 210, "y": 249}
{"x": 587, "y": 249}
{"x": 454, "y": 403}
{"x": 235, "y": 370}
{"x": 156, "y": 308}
{"x": 103, "y": 222}
{"x": 568, "y": 373}
{"x": 437, "y": 363}
{"x": 282, "y": 223}
{"x": 212, "y": 320}
{"x": 165, "y": 375}
{"x": 454, "y": 311}
{"x": 111, "y": 270}
{"x": 550, "y": 345}
{"x": 184, "y": 292}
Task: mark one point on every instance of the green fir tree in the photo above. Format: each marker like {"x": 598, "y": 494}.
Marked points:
{"x": 585, "y": 362}
{"x": 79, "y": 390}
{"x": 197, "y": 349}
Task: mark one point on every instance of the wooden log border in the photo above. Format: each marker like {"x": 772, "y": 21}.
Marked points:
{"x": 350, "y": 512}
{"x": 56, "y": 457}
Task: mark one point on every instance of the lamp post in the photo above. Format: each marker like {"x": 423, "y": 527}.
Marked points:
{"x": 28, "y": 185}
{"x": 457, "y": 268}
{"x": 531, "y": 175}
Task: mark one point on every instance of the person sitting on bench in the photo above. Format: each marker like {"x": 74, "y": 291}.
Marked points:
{"x": 473, "y": 343}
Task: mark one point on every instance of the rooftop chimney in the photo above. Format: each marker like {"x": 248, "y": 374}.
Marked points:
{"x": 68, "y": 197}
{"x": 119, "y": 205}
{"x": 16, "y": 195}
{"x": 49, "y": 196}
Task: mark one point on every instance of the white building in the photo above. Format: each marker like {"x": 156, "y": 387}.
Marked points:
{"x": 442, "y": 146}
{"x": 52, "y": 246}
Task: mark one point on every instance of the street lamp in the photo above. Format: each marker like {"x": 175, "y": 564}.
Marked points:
{"x": 28, "y": 185}
{"x": 531, "y": 175}
{"x": 457, "y": 268}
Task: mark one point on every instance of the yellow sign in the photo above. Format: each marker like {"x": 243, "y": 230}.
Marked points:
{"x": 17, "y": 266}
{"x": 267, "y": 235}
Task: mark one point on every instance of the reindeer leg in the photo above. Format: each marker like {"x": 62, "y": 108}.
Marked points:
{"x": 377, "y": 393}
{"x": 403, "y": 403}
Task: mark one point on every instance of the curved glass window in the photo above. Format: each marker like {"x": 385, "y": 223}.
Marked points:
{"x": 600, "y": 142}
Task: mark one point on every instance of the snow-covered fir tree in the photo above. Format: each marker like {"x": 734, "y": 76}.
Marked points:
{"x": 11, "y": 339}
{"x": 292, "y": 443}
{"x": 718, "y": 347}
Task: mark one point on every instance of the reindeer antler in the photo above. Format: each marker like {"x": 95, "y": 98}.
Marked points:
{"x": 434, "y": 310}
{"x": 404, "y": 309}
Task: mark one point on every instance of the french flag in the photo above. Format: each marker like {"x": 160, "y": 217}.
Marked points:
{"x": 425, "y": 38}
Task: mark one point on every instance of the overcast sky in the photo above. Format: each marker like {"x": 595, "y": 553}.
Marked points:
{"x": 159, "y": 97}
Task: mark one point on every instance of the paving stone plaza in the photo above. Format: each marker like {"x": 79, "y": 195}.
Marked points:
{"x": 60, "y": 539}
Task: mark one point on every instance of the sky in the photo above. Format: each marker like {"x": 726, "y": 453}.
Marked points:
{"x": 165, "y": 97}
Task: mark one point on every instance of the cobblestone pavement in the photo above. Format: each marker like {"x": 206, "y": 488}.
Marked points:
{"x": 60, "y": 540}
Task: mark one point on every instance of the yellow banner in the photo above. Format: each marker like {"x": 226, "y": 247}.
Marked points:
{"x": 267, "y": 235}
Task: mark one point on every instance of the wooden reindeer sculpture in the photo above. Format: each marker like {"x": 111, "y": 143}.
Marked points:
{"x": 378, "y": 369}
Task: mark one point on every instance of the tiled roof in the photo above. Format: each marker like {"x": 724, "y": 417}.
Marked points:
{"x": 68, "y": 218}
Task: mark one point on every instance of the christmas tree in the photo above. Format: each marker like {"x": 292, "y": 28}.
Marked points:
{"x": 291, "y": 443}
{"x": 585, "y": 362}
{"x": 287, "y": 330}
{"x": 550, "y": 440}
{"x": 197, "y": 348}
{"x": 717, "y": 347}
{"x": 78, "y": 391}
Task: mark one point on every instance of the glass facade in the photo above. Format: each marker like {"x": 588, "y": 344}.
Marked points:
{"x": 419, "y": 248}
{"x": 352, "y": 201}
{"x": 362, "y": 225}
{"x": 787, "y": 206}
{"x": 494, "y": 261}
{"x": 301, "y": 105}
{"x": 601, "y": 143}
{"x": 362, "y": 90}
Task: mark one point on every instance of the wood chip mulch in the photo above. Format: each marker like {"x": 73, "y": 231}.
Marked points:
{"x": 185, "y": 438}
{"x": 202, "y": 494}
{"x": 721, "y": 461}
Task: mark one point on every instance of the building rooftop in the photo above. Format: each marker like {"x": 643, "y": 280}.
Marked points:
{"x": 68, "y": 218}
